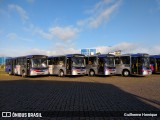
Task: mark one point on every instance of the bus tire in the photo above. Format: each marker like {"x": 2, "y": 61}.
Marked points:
{"x": 61, "y": 73}
{"x": 10, "y": 73}
{"x": 23, "y": 74}
{"x": 126, "y": 73}
{"x": 91, "y": 73}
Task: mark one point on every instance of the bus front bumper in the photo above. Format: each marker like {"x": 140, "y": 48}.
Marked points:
{"x": 147, "y": 72}
{"x": 78, "y": 72}
{"x": 34, "y": 73}
{"x": 110, "y": 72}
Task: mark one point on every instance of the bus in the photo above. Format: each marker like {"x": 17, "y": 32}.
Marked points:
{"x": 133, "y": 64}
{"x": 103, "y": 64}
{"x": 70, "y": 64}
{"x": 155, "y": 63}
{"x": 31, "y": 65}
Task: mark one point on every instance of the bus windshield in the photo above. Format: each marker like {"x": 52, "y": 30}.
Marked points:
{"x": 145, "y": 61}
{"x": 78, "y": 62}
{"x": 109, "y": 61}
{"x": 39, "y": 63}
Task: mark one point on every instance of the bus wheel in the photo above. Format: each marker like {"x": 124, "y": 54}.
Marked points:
{"x": 91, "y": 73}
{"x": 10, "y": 73}
{"x": 23, "y": 74}
{"x": 61, "y": 73}
{"x": 126, "y": 73}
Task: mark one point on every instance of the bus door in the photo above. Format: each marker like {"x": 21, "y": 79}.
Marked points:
{"x": 28, "y": 66}
{"x": 152, "y": 64}
{"x": 12, "y": 65}
{"x": 158, "y": 65}
{"x": 100, "y": 66}
{"x": 136, "y": 65}
{"x": 69, "y": 66}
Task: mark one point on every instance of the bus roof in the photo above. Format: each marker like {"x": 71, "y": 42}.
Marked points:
{"x": 155, "y": 56}
{"x": 75, "y": 55}
{"x": 68, "y": 55}
{"x": 106, "y": 55}
{"x": 136, "y": 55}
{"x": 9, "y": 58}
{"x": 32, "y": 56}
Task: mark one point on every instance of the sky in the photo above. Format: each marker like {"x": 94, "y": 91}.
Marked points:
{"x": 55, "y": 27}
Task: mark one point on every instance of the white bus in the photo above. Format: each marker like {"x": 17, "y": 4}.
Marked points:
{"x": 31, "y": 65}
{"x": 133, "y": 64}
{"x": 103, "y": 64}
{"x": 71, "y": 64}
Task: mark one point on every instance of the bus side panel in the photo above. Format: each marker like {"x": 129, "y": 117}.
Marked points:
{"x": 50, "y": 69}
{"x": 90, "y": 67}
{"x": 17, "y": 69}
{"x": 120, "y": 68}
{"x": 57, "y": 68}
{"x": 23, "y": 69}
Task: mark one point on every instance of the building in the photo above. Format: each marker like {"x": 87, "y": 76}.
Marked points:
{"x": 88, "y": 51}
{"x": 2, "y": 60}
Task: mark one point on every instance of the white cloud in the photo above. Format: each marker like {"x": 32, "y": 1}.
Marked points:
{"x": 101, "y": 13}
{"x": 45, "y": 35}
{"x": 55, "y": 51}
{"x": 60, "y": 49}
{"x": 64, "y": 33}
{"x": 129, "y": 48}
{"x": 124, "y": 47}
{"x": 19, "y": 10}
{"x": 12, "y": 36}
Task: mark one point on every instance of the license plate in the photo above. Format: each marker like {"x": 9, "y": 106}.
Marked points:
{"x": 40, "y": 73}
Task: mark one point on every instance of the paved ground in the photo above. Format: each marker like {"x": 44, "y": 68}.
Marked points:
{"x": 113, "y": 93}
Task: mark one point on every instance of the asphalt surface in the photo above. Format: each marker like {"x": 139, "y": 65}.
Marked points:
{"x": 99, "y": 97}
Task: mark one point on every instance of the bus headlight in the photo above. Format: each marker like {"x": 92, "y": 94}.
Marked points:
{"x": 74, "y": 72}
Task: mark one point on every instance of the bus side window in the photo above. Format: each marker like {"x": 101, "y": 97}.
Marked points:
{"x": 92, "y": 61}
{"x": 117, "y": 60}
{"x": 61, "y": 60}
{"x": 101, "y": 63}
{"x": 86, "y": 59}
{"x": 69, "y": 62}
{"x": 18, "y": 62}
{"x": 125, "y": 60}
{"x": 56, "y": 61}
{"x": 152, "y": 61}
{"x": 50, "y": 61}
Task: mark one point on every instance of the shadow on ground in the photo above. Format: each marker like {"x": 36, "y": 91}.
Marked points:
{"x": 35, "y": 95}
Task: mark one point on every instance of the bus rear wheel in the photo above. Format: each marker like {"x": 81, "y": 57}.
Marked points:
{"x": 61, "y": 73}
{"x": 10, "y": 73}
{"x": 23, "y": 74}
{"x": 126, "y": 73}
{"x": 91, "y": 73}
